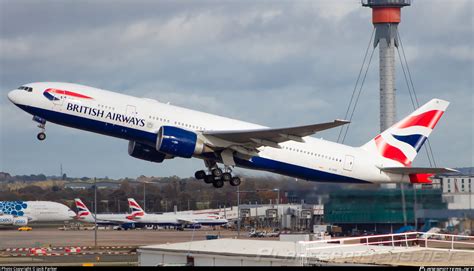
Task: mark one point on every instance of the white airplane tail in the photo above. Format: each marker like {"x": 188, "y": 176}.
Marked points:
{"x": 82, "y": 210}
{"x": 402, "y": 142}
{"x": 137, "y": 211}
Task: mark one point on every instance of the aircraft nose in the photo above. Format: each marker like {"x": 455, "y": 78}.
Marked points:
{"x": 13, "y": 96}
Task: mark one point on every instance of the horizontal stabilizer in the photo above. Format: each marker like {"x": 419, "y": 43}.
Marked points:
{"x": 417, "y": 170}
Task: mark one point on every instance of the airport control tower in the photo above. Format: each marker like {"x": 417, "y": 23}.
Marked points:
{"x": 386, "y": 17}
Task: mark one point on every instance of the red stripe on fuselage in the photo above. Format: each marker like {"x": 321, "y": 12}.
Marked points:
{"x": 427, "y": 119}
{"x": 390, "y": 152}
{"x": 67, "y": 93}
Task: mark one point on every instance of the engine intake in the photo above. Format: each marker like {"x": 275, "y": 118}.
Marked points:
{"x": 145, "y": 152}
{"x": 179, "y": 142}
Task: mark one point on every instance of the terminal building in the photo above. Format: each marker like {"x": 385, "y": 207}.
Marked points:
{"x": 457, "y": 191}
{"x": 381, "y": 210}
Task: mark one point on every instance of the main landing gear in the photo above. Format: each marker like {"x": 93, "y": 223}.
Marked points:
{"x": 217, "y": 177}
{"x": 42, "y": 123}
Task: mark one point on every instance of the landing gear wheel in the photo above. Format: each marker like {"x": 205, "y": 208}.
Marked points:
{"x": 217, "y": 172}
{"x": 226, "y": 177}
{"x": 209, "y": 179}
{"x": 235, "y": 181}
{"x": 218, "y": 183}
{"x": 200, "y": 174}
{"x": 41, "y": 136}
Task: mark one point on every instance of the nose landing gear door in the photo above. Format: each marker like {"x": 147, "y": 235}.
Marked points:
{"x": 348, "y": 162}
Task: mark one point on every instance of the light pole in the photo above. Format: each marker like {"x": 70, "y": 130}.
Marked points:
{"x": 95, "y": 213}
{"x": 415, "y": 203}
{"x": 278, "y": 191}
{"x": 238, "y": 212}
{"x": 144, "y": 196}
{"x": 278, "y": 206}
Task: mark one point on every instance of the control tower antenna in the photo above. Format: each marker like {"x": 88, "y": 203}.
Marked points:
{"x": 386, "y": 17}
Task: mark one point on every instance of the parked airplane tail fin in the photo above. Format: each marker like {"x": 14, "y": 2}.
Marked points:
{"x": 136, "y": 209}
{"x": 82, "y": 210}
{"x": 402, "y": 142}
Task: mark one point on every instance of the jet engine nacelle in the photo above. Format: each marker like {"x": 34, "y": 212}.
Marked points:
{"x": 20, "y": 221}
{"x": 179, "y": 142}
{"x": 145, "y": 152}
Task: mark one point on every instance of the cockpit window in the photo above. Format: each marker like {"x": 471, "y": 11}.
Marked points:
{"x": 28, "y": 89}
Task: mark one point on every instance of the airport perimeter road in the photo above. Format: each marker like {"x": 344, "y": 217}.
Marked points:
{"x": 71, "y": 260}
{"x": 40, "y": 237}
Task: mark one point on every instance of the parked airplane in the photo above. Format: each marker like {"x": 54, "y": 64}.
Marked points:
{"x": 20, "y": 213}
{"x": 139, "y": 215}
{"x": 84, "y": 215}
{"x": 158, "y": 131}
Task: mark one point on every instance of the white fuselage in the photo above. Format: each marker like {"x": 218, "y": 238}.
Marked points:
{"x": 180, "y": 219}
{"x": 139, "y": 119}
{"x": 37, "y": 211}
{"x": 109, "y": 219}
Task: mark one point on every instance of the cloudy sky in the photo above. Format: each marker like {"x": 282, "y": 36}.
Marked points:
{"x": 276, "y": 63}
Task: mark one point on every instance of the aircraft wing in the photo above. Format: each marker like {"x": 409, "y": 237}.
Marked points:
{"x": 271, "y": 137}
{"x": 417, "y": 170}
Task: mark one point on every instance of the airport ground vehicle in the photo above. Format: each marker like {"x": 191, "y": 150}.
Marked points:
{"x": 25, "y": 228}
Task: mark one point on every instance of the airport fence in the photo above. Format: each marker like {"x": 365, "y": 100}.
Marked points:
{"x": 326, "y": 250}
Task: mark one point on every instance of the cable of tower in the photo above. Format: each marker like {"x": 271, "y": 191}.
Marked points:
{"x": 357, "y": 83}
{"x": 428, "y": 149}
{"x": 358, "y": 94}
{"x": 415, "y": 105}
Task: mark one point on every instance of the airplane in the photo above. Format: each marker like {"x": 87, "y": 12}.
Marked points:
{"x": 84, "y": 215}
{"x": 186, "y": 220}
{"x": 159, "y": 131}
{"x": 20, "y": 213}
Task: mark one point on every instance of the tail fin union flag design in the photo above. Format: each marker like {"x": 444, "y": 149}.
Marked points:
{"x": 50, "y": 94}
{"x": 137, "y": 211}
{"x": 82, "y": 210}
{"x": 402, "y": 141}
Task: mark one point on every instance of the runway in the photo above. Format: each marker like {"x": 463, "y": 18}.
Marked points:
{"x": 43, "y": 237}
